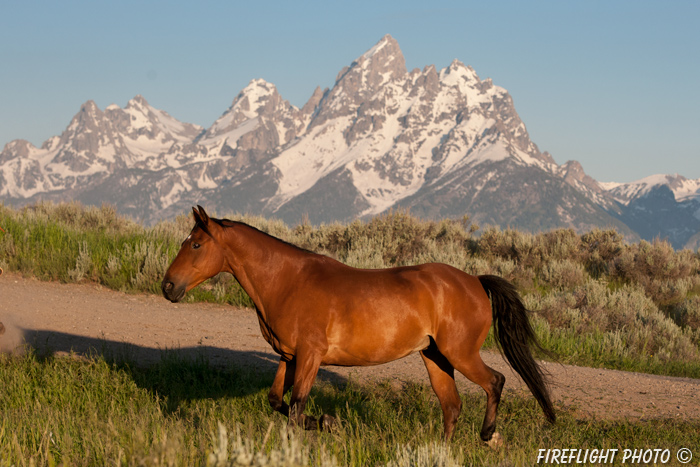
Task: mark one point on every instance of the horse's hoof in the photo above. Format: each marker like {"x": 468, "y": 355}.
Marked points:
{"x": 496, "y": 441}
{"x": 326, "y": 423}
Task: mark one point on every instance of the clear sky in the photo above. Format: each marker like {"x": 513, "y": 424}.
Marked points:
{"x": 613, "y": 84}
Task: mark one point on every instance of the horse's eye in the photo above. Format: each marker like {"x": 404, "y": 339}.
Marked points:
{"x": 195, "y": 246}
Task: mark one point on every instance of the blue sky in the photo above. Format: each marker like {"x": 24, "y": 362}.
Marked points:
{"x": 612, "y": 84}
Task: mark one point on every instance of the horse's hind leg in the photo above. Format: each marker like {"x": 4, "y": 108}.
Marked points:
{"x": 442, "y": 379}
{"x": 474, "y": 368}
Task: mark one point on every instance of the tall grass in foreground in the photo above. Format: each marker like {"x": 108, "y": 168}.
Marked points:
{"x": 78, "y": 411}
{"x": 596, "y": 299}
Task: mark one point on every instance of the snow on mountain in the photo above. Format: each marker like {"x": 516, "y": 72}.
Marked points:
{"x": 243, "y": 116}
{"x": 95, "y": 144}
{"x": 391, "y": 131}
{"x": 149, "y": 134}
{"x": 660, "y": 206}
{"x": 442, "y": 143}
{"x": 22, "y": 168}
{"x": 682, "y": 188}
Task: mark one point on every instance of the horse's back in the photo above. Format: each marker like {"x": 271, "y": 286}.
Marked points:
{"x": 432, "y": 288}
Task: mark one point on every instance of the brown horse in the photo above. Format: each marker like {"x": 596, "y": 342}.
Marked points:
{"x": 314, "y": 311}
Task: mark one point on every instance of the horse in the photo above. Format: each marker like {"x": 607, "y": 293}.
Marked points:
{"x": 315, "y": 311}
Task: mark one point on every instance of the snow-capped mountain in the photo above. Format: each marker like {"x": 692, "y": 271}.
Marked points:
{"x": 95, "y": 145}
{"x": 683, "y": 189}
{"x": 440, "y": 142}
{"x": 664, "y": 206}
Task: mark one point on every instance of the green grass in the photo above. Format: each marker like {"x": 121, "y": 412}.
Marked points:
{"x": 78, "y": 411}
{"x": 600, "y": 350}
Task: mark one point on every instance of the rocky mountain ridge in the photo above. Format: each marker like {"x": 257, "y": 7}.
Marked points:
{"x": 442, "y": 143}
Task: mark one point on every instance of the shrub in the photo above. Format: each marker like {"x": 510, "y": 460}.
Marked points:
{"x": 400, "y": 239}
{"x": 657, "y": 260}
{"x": 74, "y": 215}
{"x": 452, "y": 253}
{"x": 83, "y": 265}
{"x": 690, "y": 313}
{"x": 509, "y": 244}
{"x": 562, "y": 274}
{"x": 643, "y": 330}
{"x": 687, "y": 315}
{"x": 560, "y": 245}
{"x": 599, "y": 249}
{"x": 666, "y": 275}
{"x": 366, "y": 253}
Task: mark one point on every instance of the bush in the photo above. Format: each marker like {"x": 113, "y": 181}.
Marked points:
{"x": 600, "y": 249}
{"x": 667, "y": 276}
{"x": 629, "y": 319}
{"x": 563, "y": 274}
{"x": 510, "y": 244}
{"x": 657, "y": 260}
{"x": 561, "y": 245}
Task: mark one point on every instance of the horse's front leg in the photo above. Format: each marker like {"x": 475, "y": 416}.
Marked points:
{"x": 307, "y": 365}
{"x": 283, "y": 381}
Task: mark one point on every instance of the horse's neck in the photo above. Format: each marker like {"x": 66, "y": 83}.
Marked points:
{"x": 260, "y": 262}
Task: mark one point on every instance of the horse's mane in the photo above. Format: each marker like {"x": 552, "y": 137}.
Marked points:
{"x": 227, "y": 223}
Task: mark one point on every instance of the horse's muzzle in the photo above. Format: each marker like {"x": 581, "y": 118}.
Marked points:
{"x": 171, "y": 292}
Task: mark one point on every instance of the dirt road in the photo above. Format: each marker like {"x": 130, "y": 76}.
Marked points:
{"x": 82, "y": 317}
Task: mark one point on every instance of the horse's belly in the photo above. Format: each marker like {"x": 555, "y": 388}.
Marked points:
{"x": 365, "y": 354}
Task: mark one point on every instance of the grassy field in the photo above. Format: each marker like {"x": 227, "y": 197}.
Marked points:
{"x": 77, "y": 411}
{"x": 596, "y": 301}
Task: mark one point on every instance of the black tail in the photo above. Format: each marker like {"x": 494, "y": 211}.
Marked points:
{"x": 514, "y": 336}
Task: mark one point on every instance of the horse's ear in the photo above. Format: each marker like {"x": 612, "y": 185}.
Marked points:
{"x": 200, "y": 216}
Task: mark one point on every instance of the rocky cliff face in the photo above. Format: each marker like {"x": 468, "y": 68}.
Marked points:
{"x": 443, "y": 143}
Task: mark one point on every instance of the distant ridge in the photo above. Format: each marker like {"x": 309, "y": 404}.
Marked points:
{"x": 442, "y": 143}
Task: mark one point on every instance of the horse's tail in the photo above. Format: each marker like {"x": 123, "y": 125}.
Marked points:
{"x": 514, "y": 335}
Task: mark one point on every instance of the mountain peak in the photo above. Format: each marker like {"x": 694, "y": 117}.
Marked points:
{"x": 256, "y": 89}
{"x": 383, "y": 62}
{"x": 89, "y": 107}
{"x": 681, "y": 187}
{"x": 572, "y": 172}
{"x": 19, "y": 147}
{"x": 89, "y": 115}
{"x": 259, "y": 99}
{"x": 460, "y": 69}
{"x": 136, "y": 102}
{"x": 314, "y": 100}
{"x": 387, "y": 42}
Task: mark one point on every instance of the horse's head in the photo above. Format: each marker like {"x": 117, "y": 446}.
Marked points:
{"x": 200, "y": 257}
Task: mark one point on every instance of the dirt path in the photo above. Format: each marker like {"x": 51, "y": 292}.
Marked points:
{"x": 81, "y": 317}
